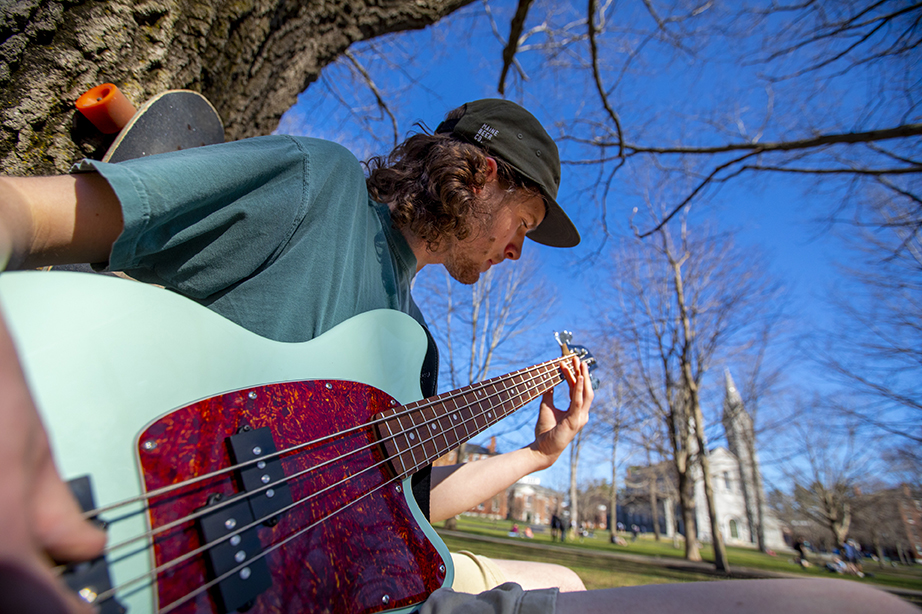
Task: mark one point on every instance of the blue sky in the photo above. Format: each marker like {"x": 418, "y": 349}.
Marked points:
{"x": 458, "y": 60}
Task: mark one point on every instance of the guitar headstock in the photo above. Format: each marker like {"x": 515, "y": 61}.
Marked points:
{"x": 565, "y": 339}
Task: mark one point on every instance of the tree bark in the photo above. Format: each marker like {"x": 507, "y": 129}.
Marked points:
{"x": 575, "y": 446}
{"x": 687, "y": 505}
{"x": 250, "y": 58}
{"x": 690, "y": 385}
{"x": 654, "y": 507}
{"x": 613, "y": 496}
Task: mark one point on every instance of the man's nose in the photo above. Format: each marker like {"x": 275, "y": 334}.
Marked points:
{"x": 514, "y": 249}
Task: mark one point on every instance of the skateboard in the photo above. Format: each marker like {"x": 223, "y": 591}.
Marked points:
{"x": 170, "y": 121}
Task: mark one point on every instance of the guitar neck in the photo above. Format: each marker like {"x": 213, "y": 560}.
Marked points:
{"x": 416, "y": 434}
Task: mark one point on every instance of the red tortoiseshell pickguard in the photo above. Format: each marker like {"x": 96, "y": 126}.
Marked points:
{"x": 368, "y": 557}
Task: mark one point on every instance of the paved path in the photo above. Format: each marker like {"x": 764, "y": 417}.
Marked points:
{"x": 702, "y": 567}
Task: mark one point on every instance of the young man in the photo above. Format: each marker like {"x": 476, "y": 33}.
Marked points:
{"x": 285, "y": 237}
{"x": 282, "y": 236}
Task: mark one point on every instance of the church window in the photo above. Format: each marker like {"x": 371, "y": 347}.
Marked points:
{"x": 734, "y": 529}
{"x": 727, "y": 483}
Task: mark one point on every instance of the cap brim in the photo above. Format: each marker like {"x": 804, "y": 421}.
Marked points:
{"x": 556, "y": 230}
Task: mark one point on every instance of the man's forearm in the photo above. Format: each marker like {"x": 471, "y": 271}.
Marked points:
{"x": 458, "y": 488}
{"x": 57, "y": 220}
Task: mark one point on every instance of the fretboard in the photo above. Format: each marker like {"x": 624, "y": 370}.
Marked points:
{"x": 416, "y": 434}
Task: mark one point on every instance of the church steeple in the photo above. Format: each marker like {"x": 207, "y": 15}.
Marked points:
{"x": 741, "y": 441}
{"x": 735, "y": 416}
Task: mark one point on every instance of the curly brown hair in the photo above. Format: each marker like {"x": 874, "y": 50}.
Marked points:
{"x": 429, "y": 181}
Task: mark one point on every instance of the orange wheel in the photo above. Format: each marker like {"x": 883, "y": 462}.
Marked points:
{"x": 106, "y": 106}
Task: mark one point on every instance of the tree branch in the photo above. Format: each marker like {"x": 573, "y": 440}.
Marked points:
{"x": 897, "y": 132}
{"x": 697, "y": 189}
{"x": 374, "y": 90}
{"x": 515, "y": 32}
{"x": 598, "y": 79}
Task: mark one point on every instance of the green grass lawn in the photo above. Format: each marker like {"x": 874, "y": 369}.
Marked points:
{"x": 599, "y": 571}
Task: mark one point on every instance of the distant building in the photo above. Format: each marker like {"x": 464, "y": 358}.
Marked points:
{"x": 733, "y": 511}
{"x": 889, "y": 522}
{"x": 495, "y": 508}
{"x": 532, "y": 503}
{"x": 525, "y": 501}
{"x": 738, "y": 493}
{"x": 910, "y": 507}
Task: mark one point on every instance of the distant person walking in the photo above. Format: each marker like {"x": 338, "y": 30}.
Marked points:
{"x": 556, "y": 528}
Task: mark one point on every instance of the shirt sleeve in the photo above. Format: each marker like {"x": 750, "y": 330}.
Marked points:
{"x": 201, "y": 219}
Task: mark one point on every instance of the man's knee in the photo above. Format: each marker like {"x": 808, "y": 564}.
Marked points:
{"x": 531, "y": 575}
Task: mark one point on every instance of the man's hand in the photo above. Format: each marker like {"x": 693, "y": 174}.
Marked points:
{"x": 40, "y": 521}
{"x": 555, "y": 428}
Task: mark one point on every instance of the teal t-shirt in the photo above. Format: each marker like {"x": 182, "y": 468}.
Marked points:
{"x": 278, "y": 234}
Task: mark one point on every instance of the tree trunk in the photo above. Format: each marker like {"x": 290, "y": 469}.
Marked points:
{"x": 680, "y": 439}
{"x": 760, "y": 515}
{"x": 720, "y": 551}
{"x": 613, "y": 496}
{"x": 690, "y": 385}
{"x": 687, "y": 503}
{"x": 878, "y": 548}
{"x": 250, "y": 59}
{"x": 838, "y": 516}
{"x": 654, "y": 507}
{"x": 574, "y": 465}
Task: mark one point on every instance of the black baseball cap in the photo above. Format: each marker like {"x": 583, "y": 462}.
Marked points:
{"x": 509, "y": 132}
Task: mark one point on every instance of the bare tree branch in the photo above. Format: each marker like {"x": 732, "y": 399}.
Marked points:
{"x": 515, "y": 31}
{"x": 593, "y": 50}
{"x": 374, "y": 90}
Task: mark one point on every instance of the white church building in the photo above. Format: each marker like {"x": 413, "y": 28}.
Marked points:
{"x": 739, "y": 496}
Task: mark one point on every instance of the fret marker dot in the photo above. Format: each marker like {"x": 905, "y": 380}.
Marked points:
{"x": 412, "y": 436}
{"x": 434, "y": 427}
{"x": 489, "y": 415}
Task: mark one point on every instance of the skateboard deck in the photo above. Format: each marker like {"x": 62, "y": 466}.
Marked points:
{"x": 170, "y": 121}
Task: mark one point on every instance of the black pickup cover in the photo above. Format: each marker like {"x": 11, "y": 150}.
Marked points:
{"x": 241, "y": 588}
{"x": 249, "y": 445}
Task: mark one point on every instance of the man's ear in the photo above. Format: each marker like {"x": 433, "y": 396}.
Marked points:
{"x": 491, "y": 175}
{"x": 491, "y": 169}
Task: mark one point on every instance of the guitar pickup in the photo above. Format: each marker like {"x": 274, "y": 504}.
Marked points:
{"x": 239, "y": 590}
{"x": 252, "y": 444}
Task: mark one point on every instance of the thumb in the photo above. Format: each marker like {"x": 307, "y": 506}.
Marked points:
{"x": 60, "y": 527}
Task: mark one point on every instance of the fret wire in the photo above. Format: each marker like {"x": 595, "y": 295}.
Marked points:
{"x": 390, "y": 433}
{"x": 540, "y": 378}
{"x": 545, "y": 375}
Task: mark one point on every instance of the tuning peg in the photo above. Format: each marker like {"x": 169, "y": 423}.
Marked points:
{"x": 563, "y": 339}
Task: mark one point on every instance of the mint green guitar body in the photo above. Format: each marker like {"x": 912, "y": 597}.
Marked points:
{"x": 106, "y": 357}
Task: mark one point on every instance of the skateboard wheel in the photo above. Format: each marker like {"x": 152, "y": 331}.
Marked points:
{"x": 106, "y": 106}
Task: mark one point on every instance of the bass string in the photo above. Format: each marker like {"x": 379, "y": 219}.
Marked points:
{"x": 542, "y": 379}
{"x": 545, "y": 380}
{"x": 535, "y": 374}
{"x": 219, "y": 505}
{"x": 407, "y": 409}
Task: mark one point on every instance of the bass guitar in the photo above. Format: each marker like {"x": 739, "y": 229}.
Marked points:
{"x": 234, "y": 472}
